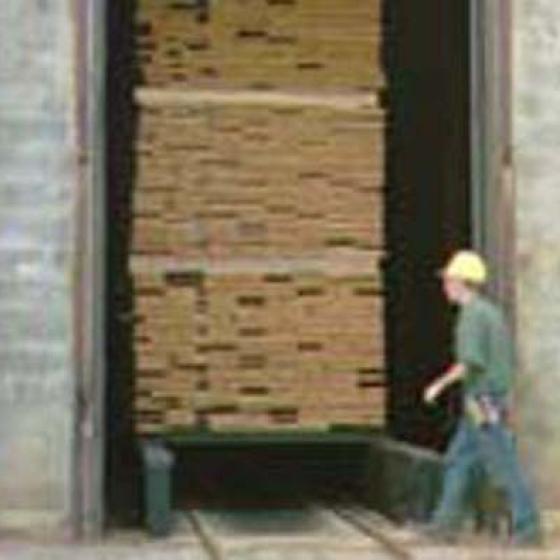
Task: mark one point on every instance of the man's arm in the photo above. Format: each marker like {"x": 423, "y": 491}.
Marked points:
{"x": 453, "y": 375}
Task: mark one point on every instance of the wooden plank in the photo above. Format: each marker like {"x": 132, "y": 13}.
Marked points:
{"x": 169, "y": 97}
{"x": 337, "y": 264}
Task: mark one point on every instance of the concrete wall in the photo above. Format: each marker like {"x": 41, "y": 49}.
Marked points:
{"x": 536, "y": 118}
{"x": 37, "y": 182}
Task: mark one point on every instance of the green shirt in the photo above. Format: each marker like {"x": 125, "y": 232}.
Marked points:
{"x": 483, "y": 344}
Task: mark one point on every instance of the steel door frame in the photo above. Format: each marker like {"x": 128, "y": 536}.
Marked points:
{"x": 492, "y": 210}
{"x": 89, "y": 296}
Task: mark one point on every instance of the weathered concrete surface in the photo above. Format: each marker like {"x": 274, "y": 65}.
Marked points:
{"x": 124, "y": 546}
{"x": 183, "y": 544}
{"x": 37, "y": 179}
{"x": 102, "y": 552}
{"x": 151, "y": 551}
{"x": 536, "y": 84}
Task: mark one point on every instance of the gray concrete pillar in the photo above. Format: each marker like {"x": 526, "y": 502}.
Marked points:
{"x": 536, "y": 120}
{"x": 38, "y": 179}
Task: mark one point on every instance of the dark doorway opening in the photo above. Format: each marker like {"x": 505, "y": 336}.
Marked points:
{"x": 428, "y": 212}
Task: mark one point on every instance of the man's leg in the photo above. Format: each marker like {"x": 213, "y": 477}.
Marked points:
{"x": 461, "y": 457}
{"x": 500, "y": 458}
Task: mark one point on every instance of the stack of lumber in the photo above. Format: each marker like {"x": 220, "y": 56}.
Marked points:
{"x": 268, "y": 44}
{"x": 258, "y": 216}
{"x": 258, "y": 349}
{"x": 263, "y": 177}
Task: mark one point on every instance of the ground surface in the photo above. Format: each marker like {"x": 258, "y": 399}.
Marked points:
{"x": 317, "y": 534}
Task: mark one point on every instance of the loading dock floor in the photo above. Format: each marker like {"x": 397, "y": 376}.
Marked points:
{"x": 315, "y": 534}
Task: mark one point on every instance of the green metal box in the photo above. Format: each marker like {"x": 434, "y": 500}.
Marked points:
{"x": 158, "y": 467}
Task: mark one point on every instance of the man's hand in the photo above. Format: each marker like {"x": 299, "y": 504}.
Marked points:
{"x": 433, "y": 391}
{"x": 454, "y": 374}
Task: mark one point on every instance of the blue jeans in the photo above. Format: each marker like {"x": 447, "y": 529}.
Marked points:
{"x": 492, "y": 447}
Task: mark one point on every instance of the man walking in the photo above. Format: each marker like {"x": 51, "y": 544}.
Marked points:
{"x": 484, "y": 365}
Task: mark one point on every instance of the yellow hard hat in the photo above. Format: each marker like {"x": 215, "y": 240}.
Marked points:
{"x": 468, "y": 266}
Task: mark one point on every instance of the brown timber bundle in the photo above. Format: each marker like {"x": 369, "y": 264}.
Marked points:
{"x": 265, "y": 44}
{"x": 226, "y": 179}
{"x": 256, "y": 350}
